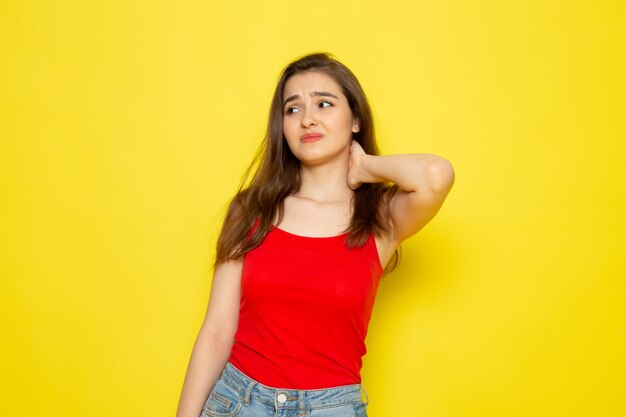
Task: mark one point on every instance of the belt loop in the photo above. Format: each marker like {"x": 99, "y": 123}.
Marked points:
{"x": 301, "y": 402}
{"x": 367, "y": 399}
{"x": 248, "y": 392}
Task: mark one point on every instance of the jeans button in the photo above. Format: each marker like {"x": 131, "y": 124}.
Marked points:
{"x": 281, "y": 398}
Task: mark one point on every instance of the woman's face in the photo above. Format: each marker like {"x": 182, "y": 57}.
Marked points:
{"x": 317, "y": 120}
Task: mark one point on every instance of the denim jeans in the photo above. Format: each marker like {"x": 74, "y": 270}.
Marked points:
{"x": 236, "y": 394}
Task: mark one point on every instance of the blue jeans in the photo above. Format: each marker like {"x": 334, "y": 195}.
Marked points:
{"x": 236, "y": 394}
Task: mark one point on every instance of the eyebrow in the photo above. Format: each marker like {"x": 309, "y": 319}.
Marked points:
{"x": 313, "y": 94}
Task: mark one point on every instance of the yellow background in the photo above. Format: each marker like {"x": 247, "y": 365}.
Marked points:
{"x": 126, "y": 126}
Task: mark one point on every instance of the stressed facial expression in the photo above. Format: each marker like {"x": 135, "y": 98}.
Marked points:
{"x": 317, "y": 120}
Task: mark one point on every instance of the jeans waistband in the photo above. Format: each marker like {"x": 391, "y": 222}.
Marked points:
{"x": 291, "y": 398}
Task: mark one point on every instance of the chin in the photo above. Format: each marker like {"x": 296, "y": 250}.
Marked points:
{"x": 319, "y": 159}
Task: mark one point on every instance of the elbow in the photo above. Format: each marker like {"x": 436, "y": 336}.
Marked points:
{"x": 441, "y": 175}
{"x": 217, "y": 337}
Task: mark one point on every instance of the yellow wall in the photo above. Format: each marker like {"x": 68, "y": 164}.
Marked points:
{"x": 126, "y": 127}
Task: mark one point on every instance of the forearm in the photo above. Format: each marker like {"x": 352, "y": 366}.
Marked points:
{"x": 410, "y": 172}
{"x": 208, "y": 358}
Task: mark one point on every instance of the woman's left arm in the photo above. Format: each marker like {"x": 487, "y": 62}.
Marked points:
{"x": 424, "y": 181}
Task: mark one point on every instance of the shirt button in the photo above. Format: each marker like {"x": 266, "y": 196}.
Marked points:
{"x": 281, "y": 398}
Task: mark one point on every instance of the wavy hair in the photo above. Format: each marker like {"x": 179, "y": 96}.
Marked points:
{"x": 277, "y": 172}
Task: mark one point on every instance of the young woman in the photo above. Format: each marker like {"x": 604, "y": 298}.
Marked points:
{"x": 301, "y": 252}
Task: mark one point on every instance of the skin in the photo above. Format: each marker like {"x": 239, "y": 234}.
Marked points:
{"x": 336, "y": 165}
{"x": 331, "y": 169}
{"x": 322, "y": 205}
{"x": 328, "y": 115}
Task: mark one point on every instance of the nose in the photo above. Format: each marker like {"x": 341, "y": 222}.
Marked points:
{"x": 308, "y": 118}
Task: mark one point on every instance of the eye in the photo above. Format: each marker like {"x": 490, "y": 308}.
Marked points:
{"x": 325, "y": 102}
{"x": 289, "y": 110}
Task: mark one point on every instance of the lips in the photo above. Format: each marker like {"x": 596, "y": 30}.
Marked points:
{"x": 310, "y": 137}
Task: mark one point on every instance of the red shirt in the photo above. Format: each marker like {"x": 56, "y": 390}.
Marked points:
{"x": 305, "y": 307}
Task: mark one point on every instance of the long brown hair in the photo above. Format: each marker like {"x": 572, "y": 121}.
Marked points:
{"x": 277, "y": 173}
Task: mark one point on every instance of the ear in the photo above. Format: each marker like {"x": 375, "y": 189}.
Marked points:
{"x": 355, "y": 125}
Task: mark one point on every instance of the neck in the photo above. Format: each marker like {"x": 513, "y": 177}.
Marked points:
{"x": 325, "y": 182}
